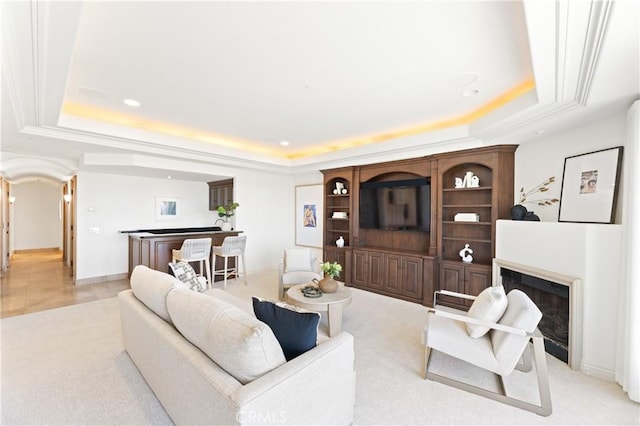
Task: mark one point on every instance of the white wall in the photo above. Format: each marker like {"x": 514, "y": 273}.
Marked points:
{"x": 590, "y": 252}
{"x": 36, "y": 221}
{"x": 126, "y": 202}
{"x": 593, "y": 255}
{"x": 536, "y": 161}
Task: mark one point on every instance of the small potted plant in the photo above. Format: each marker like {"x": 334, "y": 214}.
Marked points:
{"x": 225, "y": 213}
{"x": 331, "y": 270}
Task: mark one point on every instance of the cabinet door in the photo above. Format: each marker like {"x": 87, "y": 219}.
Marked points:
{"x": 337, "y": 255}
{"x": 376, "y": 270}
{"x": 360, "y": 275}
{"x": 220, "y": 193}
{"x": 452, "y": 279}
{"x": 476, "y": 279}
{"x": 393, "y": 273}
{"x": 412, "y": 276}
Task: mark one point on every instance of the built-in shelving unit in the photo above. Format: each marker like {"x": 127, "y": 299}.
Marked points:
{"x": 411, "y": 264}
{"x": 338, "y": 215}
{"x": 491, "y": 200}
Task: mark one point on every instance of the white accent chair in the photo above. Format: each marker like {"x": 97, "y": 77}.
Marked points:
{"x": 298, "y": 266}
{"x": 195, "y": 250}
{"x": 500, "y": 350}
{"x": 231, "y": 247}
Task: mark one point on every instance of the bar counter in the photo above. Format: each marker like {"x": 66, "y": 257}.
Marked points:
{"x": 153, "y": 247}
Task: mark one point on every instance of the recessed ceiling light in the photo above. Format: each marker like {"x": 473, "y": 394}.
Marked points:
{"x": 463, "y": 80}
{"x": 285, "y": 143}
{"x": 168, "y": 177}
{"x": 132, "y": 103}
{"x": 470, "y": 92}
{"x": 92, "y": 93}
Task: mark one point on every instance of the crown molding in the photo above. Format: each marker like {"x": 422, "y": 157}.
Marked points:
{"x": 183, "y": 152}
{"x": 579, "y": 30}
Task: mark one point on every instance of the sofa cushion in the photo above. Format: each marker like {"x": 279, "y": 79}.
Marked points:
{"x": 298, "y": 260}
{"x": 185, "y": 273}
{"x": 243, "y": 346}
{"x": 489, "y": 306}
{"x": 151, "y": 288}
{"x": 296, "y": 329}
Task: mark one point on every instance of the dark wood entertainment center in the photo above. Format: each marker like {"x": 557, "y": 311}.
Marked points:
{"x": 411, "y": 264}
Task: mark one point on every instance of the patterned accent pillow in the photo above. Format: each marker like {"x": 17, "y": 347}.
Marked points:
{"x": 187, "y": 275}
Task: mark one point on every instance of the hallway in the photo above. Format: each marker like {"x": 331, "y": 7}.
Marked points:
{"x": 38, "y": 280}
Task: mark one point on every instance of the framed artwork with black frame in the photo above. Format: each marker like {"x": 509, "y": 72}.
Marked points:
{"x": 590, "y": 186}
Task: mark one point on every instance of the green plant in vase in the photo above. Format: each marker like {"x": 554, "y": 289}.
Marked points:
{"x": 331, "y": 270}
{"x": 225, "y": 213}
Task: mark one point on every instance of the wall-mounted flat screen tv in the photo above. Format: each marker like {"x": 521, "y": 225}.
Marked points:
{"x": 396, "y": 205}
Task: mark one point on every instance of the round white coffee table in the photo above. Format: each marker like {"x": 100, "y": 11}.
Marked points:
{"x": 331, "y": 303}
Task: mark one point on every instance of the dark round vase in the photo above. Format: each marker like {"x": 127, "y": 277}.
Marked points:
{"x": 518, "y": 212}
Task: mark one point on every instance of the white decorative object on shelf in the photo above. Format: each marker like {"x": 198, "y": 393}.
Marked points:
{"x": 465, "y": 254}
{"x": 466, "y": 217}
{"x": 340, "y": 242}
{"x": 339, "y": 215}
{"x": 467, "y": 179}
{"x": 470, "y": 181}
{"x": 340, "y": 189}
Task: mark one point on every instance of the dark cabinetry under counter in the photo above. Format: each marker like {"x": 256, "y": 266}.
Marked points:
{"x": 155, "y": 250}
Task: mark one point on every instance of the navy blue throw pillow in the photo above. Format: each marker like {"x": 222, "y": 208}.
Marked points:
{"x": 296, "y": 331}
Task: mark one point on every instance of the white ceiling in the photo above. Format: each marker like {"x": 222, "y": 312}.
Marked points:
{"x": 223, "y": 83}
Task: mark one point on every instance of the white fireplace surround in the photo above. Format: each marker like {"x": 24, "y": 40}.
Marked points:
{"x": 592, "y": 252}
{"x": 575, "y": 301}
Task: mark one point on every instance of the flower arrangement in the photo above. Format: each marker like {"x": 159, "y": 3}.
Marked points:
{"x": 331, "y": 269}
{"x": 541, "y": 187}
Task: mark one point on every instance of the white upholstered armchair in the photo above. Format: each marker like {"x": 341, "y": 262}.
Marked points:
{"x": 493, "y": 335}
{"x": 298, "y": 266}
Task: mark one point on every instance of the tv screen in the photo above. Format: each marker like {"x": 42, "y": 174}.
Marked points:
{"x": 396, "y": 205}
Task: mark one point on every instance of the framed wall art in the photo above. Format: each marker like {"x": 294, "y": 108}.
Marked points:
{"x": 590, "y": 186}
{"x": 167, "y": 208}
{"x": 308, "y": 215}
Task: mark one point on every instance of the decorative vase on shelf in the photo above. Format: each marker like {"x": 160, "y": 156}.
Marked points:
{"x": 226, "y": 226}
{"x": 327, "y": 284}
{"x": 340, "y": 242}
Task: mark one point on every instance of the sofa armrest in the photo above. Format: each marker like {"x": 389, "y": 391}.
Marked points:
{"x": 280, "y": 272}
{"x": 475, "y": 321}
{"x": 326, "y": 370}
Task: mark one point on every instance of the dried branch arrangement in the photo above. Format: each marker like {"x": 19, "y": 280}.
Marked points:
{"x": 541, "y": 187}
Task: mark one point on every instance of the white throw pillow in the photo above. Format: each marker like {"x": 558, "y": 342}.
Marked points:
{"x": 489, "y": 306}
{"x": 297, "y": 260}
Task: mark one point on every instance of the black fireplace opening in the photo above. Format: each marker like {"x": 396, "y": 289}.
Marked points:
{"x": 553, "y": 301}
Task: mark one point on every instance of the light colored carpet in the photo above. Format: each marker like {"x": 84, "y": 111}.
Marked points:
{"x": 67, "y": 366}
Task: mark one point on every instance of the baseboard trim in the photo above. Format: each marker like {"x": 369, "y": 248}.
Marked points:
{"x": 38, "y": 250}
{"x": 599, "y": 372}
{"x": 102, "y": 279}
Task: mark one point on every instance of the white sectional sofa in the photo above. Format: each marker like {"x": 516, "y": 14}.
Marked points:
{"x": 228, "y": 370}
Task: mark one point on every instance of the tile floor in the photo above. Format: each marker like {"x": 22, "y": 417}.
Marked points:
{"x": 38, "y": 280}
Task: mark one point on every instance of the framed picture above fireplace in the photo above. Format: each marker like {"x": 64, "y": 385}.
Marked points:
{"x": 590, "y": 186}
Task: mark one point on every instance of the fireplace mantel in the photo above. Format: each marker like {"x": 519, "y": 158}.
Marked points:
{"x": 591, "y": 252}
